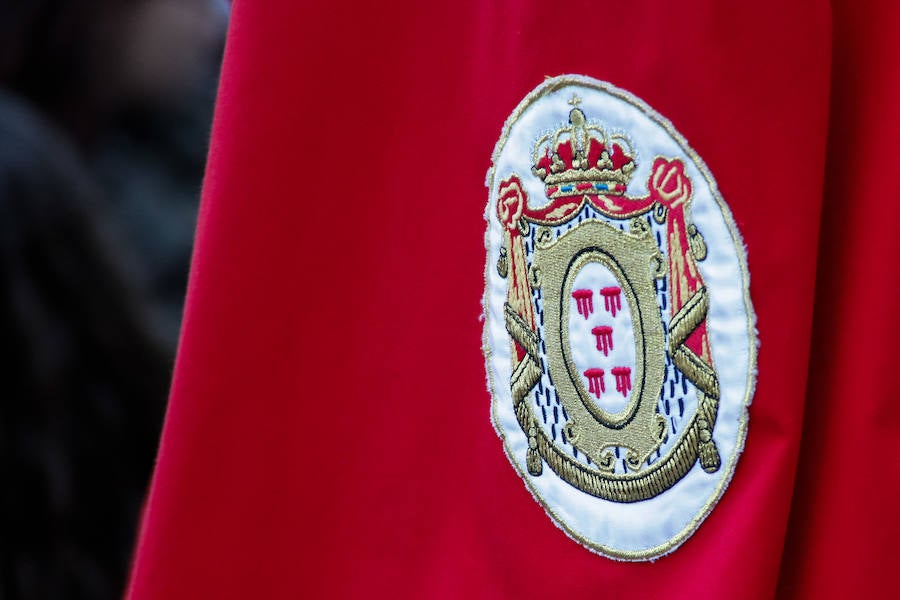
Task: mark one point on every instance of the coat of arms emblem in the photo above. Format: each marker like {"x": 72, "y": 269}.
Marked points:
{"x": 619, "y": 333}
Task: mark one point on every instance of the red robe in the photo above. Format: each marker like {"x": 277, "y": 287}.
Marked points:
{"x": 328, "y": 432}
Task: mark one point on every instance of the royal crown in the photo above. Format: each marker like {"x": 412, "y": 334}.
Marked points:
{"x": 582, "y": 159}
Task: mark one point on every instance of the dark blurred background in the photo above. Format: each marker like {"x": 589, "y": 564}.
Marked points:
{"x": 105, "y": 111}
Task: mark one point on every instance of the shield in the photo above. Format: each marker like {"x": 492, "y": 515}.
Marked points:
{"x": 604, "y": 337}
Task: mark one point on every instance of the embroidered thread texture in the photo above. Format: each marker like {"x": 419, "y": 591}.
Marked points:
{"x": 600, "y": 369}
{"x": 579, "y": 158}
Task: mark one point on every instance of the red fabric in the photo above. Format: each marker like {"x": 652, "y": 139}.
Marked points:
{"x": 844, "y": 529}
{"x": 328, "y": 433}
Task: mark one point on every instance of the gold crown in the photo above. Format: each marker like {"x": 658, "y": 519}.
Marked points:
{"x": 582, "y": 159}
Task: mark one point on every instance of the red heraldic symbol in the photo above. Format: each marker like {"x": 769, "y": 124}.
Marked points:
{"x": 585, "y": 300}
{"x": 612, "y": 299}
{"x": 603, "y": 333}
{"x": 623, "y": 379}
{"x": 595, "y": 377}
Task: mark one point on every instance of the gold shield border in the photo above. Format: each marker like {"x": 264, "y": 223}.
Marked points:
{"x": 635, "y": 260}
{"x": 632, "y": 487}
{"x": 549, "y": 86}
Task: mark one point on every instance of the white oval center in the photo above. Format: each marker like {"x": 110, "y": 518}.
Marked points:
{"x": 601, "y": 337}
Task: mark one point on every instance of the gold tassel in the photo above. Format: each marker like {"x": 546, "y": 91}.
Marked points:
{"x": 707, "y": 451}
{"x": 696, "y": 242}
{"x": 503, "y": 263}
{"x": 533, "y": 458}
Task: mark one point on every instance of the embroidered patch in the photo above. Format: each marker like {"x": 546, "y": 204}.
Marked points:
{"x": 619, "y": 334}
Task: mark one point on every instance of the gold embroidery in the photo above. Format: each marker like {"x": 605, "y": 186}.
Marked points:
{"x": 534, "y": 277}
{"x": 638, "y": 428}
{"x": 627, "y": 257}
{"x": 692, "y": 313}
{"x": 521, "y": 332}
{"x": 560, "y": 212}
{"x": 708, "y": 408}
{"x": 619, "y": 488}
{"x": 696, "y": 439}
{"x": 598, "y": 432}
{"x": 696, "y": 242}
{"x": 696, "y": 370}
{"x": 590, "y": 429}
{"x": 578, "y": 137}
{"x": 503, "y": 263}
{"x": 685, "y": 321}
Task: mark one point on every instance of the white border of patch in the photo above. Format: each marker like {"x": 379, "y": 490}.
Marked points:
{"x": 657, "y": 526}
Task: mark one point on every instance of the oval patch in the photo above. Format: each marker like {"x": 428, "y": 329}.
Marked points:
{"x": 619, "y": 334}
